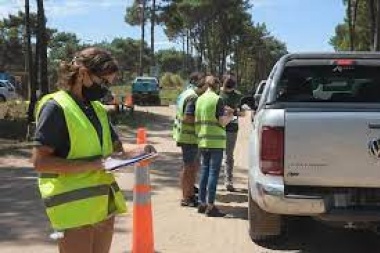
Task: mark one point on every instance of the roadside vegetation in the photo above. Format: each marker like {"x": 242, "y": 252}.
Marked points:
{"x": 216, "y": 36}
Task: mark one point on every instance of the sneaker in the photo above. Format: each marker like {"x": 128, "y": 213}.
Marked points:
{"x": 214, "y": 212}
{"x": 184, "y": 202}
{"x": 190, "y": 202}
{"x": 196, "y": 190}
{"x": 202, "y": 208}
{"x": 230, "y": 188}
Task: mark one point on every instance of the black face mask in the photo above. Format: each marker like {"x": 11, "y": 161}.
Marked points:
{"x": 230, "y": 84}
{"x": 94, "y": 92}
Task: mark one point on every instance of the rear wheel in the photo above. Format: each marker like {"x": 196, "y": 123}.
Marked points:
{"x": 157, "y": 101}
{"x": 136, "y": 100}
{"x": 263, "y": 226}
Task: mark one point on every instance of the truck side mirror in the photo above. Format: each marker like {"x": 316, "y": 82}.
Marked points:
{"x": 257, "y": 98}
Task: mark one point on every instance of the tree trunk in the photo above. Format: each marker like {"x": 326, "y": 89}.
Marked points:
{"x": 142, "y": 14}
{"x": 29, "y": 61}
{"x": 377, "y": 31}
{"x": 188, "y": 64}
{"x": 207, "y": 55}
{"x": 152, "y": 26}
{"x": 202, "y": 48}
{"x": 37, "y": 58}
{"x": 354, "y": 15}
{"x": 237, "y": 62}
{"x": 350, "y": 26}
{"x": 210, "y": 49}
{"x": 42, "y": 37}
{"x": 372, "y": 15}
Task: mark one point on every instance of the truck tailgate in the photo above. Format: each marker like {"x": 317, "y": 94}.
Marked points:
{"x": 331, "y": 149}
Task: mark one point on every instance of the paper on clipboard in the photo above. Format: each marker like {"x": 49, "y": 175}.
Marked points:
{"x": 111, "y": 164}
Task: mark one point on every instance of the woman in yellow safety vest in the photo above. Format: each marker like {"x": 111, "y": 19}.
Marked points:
{"x": 73, "y": 135}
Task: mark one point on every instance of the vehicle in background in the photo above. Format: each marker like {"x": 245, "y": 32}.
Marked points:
{"x": 314, "y": 148}
{"x": 7, "y": 91}
{"x": 7, "y": 77}
{"x": 146, "y": 91}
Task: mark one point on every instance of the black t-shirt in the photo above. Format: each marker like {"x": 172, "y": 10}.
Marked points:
{"x": 52, "y": 129}
{"x": 232, "y": 99}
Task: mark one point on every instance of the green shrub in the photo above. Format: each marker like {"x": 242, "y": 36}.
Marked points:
{"x": 171, "y": 81}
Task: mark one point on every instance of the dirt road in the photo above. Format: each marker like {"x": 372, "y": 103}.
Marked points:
{"x": 24, "y": 228}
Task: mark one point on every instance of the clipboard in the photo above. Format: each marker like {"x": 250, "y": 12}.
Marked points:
{"x": 113, "y": 164}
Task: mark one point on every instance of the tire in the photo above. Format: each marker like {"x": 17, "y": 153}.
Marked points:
{"x": 263, "y": 226}
{"x": 158, "y": 101}
{"x": 136, "y": 100}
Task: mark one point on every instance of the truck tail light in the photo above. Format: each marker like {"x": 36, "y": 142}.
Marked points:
{"x": 272, "y": 150}
{"x": 344, "y": 62}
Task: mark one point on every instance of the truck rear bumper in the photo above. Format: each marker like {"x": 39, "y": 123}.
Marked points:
{"x": 271, "y": 198}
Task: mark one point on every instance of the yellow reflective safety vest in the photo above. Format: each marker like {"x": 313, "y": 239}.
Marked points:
{"x": 208, "y": 130}
{"x": 74, "y": 200}
{"x": 184, "y": 132}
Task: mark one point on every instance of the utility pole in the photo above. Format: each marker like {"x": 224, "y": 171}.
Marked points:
{"x": 142, "y": 15}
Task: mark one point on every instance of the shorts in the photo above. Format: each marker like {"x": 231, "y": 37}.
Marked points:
{"x": 190, "y": 153}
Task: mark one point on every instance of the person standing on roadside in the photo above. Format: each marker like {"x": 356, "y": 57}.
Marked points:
{"x": 184, "y": 135}
{"x": 211, "y": 117}
{"x": 231, "y": 98}
{"x": 73, "y": 136}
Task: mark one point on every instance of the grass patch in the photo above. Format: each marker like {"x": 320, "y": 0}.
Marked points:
{"x": 133, "y": 121}
{"x": 169, "y": 96}
{"x": 14, "y": 110}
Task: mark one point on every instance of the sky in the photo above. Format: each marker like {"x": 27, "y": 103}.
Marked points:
{"x": 303, "y": 25}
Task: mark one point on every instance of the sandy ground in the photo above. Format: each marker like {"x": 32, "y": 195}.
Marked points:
{"x": 24, "y": 227}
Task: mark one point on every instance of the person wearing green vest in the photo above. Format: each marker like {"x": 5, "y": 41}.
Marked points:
{"x": 73, "y": 136}
{"x": 232, "y": 99}
{"x": 211, "y": 117}
{"x": 184, "y": 135}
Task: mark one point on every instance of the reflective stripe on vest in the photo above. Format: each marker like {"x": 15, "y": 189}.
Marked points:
{"x": 80, "y": 194}
{"x": 74, "y": 200}
{"x": 184, "y": 132}
{"x": 209, "y": 132}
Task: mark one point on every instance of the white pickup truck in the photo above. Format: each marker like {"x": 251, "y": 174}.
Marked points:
{"x": 313, "y": 155}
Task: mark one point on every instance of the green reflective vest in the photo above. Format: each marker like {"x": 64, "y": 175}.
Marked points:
{"x": 74, "y": 200}
{"x": 184, "y": 132}
{"x": 208, "y": 130}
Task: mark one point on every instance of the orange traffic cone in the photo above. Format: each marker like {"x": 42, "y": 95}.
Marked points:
{"x": 142, "y": 209}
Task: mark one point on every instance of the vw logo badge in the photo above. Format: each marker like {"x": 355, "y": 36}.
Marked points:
{"x": 374, "y": 148}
